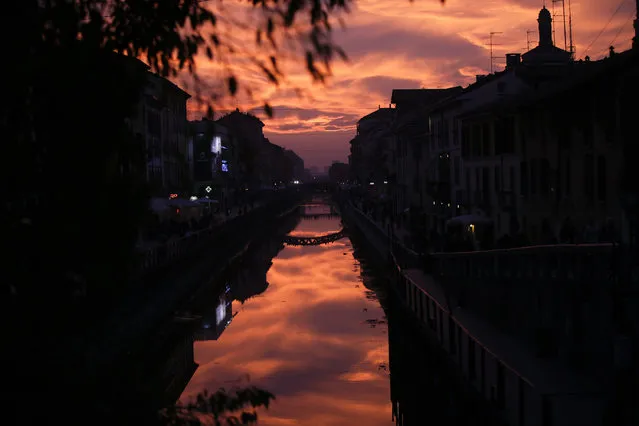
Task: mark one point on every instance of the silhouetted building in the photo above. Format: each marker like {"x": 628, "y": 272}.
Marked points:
{"x": 298, "y": 165}
{"x": 635, "y": 40}
{"x": 277, "y": 166}
{"x": 410, "y": 148}
{"x": 215, "y": 320}
{"x": 213, "y": 159}
{"x": 250, "y": 144}
{"x": 161, "y": 121}
{"x": 338, "y": 172}
{"x": 370, "y": 159}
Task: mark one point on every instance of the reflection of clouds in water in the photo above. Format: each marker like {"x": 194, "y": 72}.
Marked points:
{"x": 306, "y": 340}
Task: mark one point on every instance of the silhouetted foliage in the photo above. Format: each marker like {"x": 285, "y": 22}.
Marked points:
{"x": 77, "y": 173}
{"x": 234, "y": 407}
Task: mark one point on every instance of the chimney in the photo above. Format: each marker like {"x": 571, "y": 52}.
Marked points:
{"x": 512, "y": 60}
{"x": 479, "y": 77}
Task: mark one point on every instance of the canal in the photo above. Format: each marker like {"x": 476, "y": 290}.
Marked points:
{"x": 312, "y": 325}
{"x": 306, "y": 325}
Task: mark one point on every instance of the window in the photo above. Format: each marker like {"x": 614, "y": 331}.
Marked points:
{"x": 472, "y": 367}
{"x": 476, "y": 140}
{"x": 486, "y": 142}
{"x": 533, "y": 176}
{"x": 523, "y": 179}
{"x": 451, "y": 336}
{"x": 455, "y": 132}
{"x": 568, "y": 176}
{"x": 589, "y": 178}
{"x": 446, "y": 133}
{"x": 499, "y": 137}
{"x": 509, "y": 135}
{"x": 544, "y": 177}
{"x": 587, "y": 134}
{"x": 465, "y": 136}
{"x": 601, "y": 178}
{"x": 485, "y": 188}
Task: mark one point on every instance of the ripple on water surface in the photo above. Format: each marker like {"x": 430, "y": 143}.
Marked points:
{"x": 315, "y": 338}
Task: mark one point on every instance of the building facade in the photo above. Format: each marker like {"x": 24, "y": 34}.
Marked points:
{"x": 371, "y": 155}
{"x": 250, "y": 144}
{"x": 161, "y": 122}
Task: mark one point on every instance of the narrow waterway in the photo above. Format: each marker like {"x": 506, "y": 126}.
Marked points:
{"x": 318, "y": 326}
{"x": 304, "y": 326}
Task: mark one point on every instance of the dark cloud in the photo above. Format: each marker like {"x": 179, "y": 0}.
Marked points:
{"x": 346, "y": 120}
{"x": 377, "y": 38}
{"x": 384, "y": 86}
{"x": 326, "y": 318}
{"x": 532, "y": 4}
{"x": 332, "y": 128}
{"x": 299, "y": 126}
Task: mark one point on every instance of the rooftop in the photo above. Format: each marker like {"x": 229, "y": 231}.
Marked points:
{"x": 422, "y": 96}
{"x": 381, "y": 114}
{"x": 237, "y": 114}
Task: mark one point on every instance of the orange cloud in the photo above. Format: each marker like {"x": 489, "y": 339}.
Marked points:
{"x": 402, "y": 44}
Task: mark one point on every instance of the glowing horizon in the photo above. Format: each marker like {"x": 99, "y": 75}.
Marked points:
{"x": 403, "y": 45}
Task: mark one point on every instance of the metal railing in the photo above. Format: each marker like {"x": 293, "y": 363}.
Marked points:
{"x": 167, "y": 254}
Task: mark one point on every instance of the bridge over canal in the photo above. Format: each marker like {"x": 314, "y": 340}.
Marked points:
{"x": 315, "y": 240}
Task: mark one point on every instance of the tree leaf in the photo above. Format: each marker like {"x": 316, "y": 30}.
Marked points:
{"x": 232, "y": 84}
{"x": 268, "y": 110}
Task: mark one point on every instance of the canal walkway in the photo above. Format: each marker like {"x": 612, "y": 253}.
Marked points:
{"x": 503, "y": 367}
{"x": 150, "y": 305}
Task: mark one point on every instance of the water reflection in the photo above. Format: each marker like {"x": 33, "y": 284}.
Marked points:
{"x": 316, "y": 337}
{"x": 308, "y": 324}
{"x": 426, "y": 388}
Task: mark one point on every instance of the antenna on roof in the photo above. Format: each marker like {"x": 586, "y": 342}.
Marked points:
{"x": 528, "y": 41}
{"x": 572, "y": 46}
{"x": 556, "y": 13}
{"x": 492, "y": 56}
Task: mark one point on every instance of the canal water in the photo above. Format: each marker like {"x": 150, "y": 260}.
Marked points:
{"x": 317, "y": 326}
{"x": 306, "y": 325}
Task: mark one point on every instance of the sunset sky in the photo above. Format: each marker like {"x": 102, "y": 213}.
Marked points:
{"x": 399, "y": 44}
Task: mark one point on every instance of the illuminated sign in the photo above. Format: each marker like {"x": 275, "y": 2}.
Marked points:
{"x": 216, "y": 145}
{"x": 208, "y": 189}
{"x": 225, "y": 166}
{"x": 172, "y": 196}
